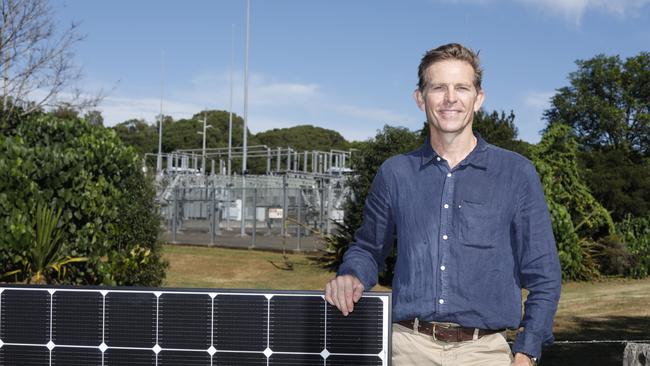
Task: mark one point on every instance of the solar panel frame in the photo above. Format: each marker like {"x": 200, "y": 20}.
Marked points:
{"x": 110, "y": 352}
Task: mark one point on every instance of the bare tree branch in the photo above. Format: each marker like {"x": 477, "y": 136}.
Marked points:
{"x": 36, "y": 59}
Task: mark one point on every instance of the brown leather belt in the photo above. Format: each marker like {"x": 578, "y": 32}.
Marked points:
{"x": 448, "y": 333}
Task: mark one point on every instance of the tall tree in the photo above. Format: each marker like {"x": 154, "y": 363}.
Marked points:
{"x": 607, "y": 104}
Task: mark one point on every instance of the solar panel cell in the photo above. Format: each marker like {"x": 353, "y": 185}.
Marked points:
{"x": 296, "y": 360}
{"x": 130, "y": 319}
{"x": 129, "y": 357}
{"x": 349, "y": 360}
{"x": 297, "y": 324}
{"x": 240, "y": 322}
{"x": 184, "y": 321}
{"x": 25, "y": 317}
{"x": 24, "y": 355}
{"x": 358, "y": 333}
{"x": 77, "y": 318}
{"x": 67, "y": 356}
{"x": 183, "y": 358}
{"x": 239, "y": 359}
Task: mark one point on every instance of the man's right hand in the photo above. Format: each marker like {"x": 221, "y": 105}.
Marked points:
{"x": 343, "y": 292}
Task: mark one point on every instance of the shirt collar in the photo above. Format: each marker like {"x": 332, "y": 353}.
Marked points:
{"x": 477, "y": 157}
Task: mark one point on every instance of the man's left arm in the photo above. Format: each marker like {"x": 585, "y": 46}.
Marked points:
{"x": 538, "y": 264}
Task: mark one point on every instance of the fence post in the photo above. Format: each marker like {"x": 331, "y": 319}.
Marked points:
{"x": 254, "y": 215}
{"x": 299, "y": 217}
{"x": 228, "y": 204}
{"x": 284, "y": 205}
{"x": 215, "y": 213}
{"x": 174, "y": 214}
{"x": 329, "y": 207}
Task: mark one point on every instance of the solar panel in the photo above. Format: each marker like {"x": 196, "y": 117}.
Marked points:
{"x": 166, "y": 327}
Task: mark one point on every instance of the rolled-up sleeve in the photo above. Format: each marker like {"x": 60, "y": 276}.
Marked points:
{"x": 373, "y": 241}
{"x": 538, "y": 265}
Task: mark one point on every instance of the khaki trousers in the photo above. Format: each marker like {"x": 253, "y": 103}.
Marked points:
{"x": 410, "y": 349}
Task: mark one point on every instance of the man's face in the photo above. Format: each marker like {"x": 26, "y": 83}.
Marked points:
{"x": 449, "y": 98}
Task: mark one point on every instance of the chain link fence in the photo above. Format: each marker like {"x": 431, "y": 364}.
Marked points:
{"x": 257, "y": 217}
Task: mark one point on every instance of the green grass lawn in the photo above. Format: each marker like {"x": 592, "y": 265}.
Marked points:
{"x": 587, "y": 310}
{"x": 611, "y": 309}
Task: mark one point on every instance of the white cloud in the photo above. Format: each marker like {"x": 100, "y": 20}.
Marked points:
{"x": 574, "y": 10}
{"x": 538, "y": 99}
{"x": 377, "y": 114}
{"x": 117, "y": 109}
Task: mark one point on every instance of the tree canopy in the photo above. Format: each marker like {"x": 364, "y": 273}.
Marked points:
{"x": 607, "y": 106}
{"x": 303, "y": 137}
{"x": 607, "y": 103}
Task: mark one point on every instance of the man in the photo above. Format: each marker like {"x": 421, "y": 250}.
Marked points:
{"x": 472, "y": 230}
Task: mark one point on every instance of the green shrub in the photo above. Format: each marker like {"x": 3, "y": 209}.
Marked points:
{"x": 579, "y": 221}
{"x": 614, "y": 258}
{"x": 635, "y": 231}
{"x": 106, "y": 202}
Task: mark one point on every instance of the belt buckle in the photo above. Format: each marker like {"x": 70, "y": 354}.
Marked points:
{"x": 434, "y": 326}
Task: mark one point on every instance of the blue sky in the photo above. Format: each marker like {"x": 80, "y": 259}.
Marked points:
{"x": 348, "y": 65}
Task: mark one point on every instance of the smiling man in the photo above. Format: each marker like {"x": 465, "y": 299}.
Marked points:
{"x": 472, "y": 230}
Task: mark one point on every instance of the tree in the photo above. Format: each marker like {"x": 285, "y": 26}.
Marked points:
{"x": 579, "y": 221}
{"x": 619, "y": 180}
{"x": 607, "y": 104}
{"x": 139, "y": 135}
{"x": 94, "y": 117}
{"x": 106, "y": 204}
{"x": 303, "y": 137}
{"x": 36, "y": 60}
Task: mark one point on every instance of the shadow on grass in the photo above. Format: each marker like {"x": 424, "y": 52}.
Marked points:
{"x": 616, "y": 328}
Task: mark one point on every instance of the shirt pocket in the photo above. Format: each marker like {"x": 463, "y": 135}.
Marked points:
{"x": 479, "y": 224}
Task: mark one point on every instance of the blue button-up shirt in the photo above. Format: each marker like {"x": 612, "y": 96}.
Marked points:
{"x": 468, "y": 240}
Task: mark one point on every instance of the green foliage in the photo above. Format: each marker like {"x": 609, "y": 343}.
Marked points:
{"x": 614, "y": 257}
{"x": 42, "y": 254}
{"x": 139, "y": 135}
{"x": 136, "y": 256}
{"x": 95, "y": 118}
{"x": 635, "y": 231}
{"x": 86, "y": 172}
{"x": 607, "y": 105}
{"x": 366, "y": 161}
{"x": 579, "y": 221}
{"x": 619, "y": 180}
{"x": 304, "y": 137}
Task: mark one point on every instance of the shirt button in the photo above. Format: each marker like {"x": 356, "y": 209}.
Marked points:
{"x": 442, "y": 268}
{"x": 445, "y": 205}
{"x": 437, "y": 158}
{"x": 441, "y": 301}
{"x": 449, "y": 174}
{"x": 445, "y": 237}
